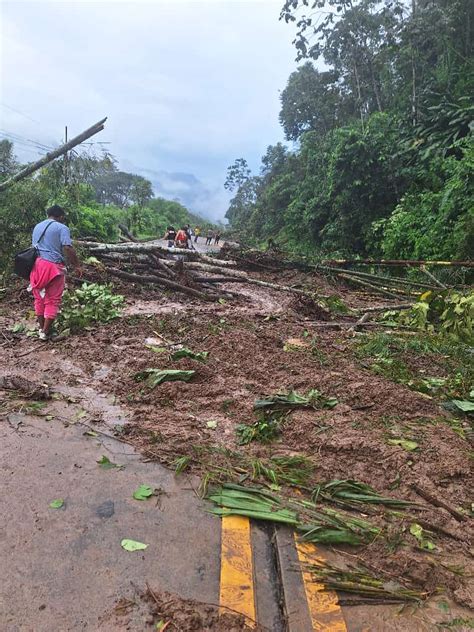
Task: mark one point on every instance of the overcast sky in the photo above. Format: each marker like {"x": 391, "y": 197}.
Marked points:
{"x": 187, "y": 86}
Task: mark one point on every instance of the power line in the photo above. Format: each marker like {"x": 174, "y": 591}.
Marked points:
{"x": 19, "y": 138}
{"x": 18, "y": 112}
{"x": 9, "y": 107}
{"x": 23, "y": 144}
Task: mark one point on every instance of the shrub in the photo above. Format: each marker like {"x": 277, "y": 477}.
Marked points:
{"x": 89, "y": 304}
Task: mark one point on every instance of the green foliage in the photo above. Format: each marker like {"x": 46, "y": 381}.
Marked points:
{"x": 155, "y": 377}
{"x": 97, "y": 199}
{"x": 98, "y": 223}
{"x": 437, "y": 223}
{"x": 391, "y": 355}
{"x": 265, "y": 430}
{"x": 292, "y": 399}
{"x": 89, "y": 304}
{"x": 385, "y": 155}
{"x": 450, "y": 312}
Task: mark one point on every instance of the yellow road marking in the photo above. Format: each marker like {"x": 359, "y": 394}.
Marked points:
{"x": 237, "y": 590}
{"x": 324, "y": 609}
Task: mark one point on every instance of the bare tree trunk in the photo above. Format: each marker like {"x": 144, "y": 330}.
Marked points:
{"x": 414, "y": 113}
{"x": 375, "y": 86}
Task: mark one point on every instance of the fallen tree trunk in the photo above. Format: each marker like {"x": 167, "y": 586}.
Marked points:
{"x": 433, "y": 278}
{"x": 238, "y": 275}
{"x": 378, "y": 278}
{"x": 220, "y": 279}
{"x": 398, "y": 262}
{"x": 123, "y": 229}
{"x": 159, "y": 264}
{"x": 370, "y": 286}
{"x": 96, "y": 248}
{"x": 351, "y": 325}
{"x": 154, "y": 278}
{"x": 384, "y": 308}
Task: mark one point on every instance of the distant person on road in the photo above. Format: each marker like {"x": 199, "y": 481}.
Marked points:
{"x": 170, "y": 235}
{"x": 210, "y": 235}
{"x": 217, "y": 238}
{"x": 189, "y": 233}
{"x": 181, "y": 239}
{"x": 53, "y": 242}
{"x": 197, "y": 232}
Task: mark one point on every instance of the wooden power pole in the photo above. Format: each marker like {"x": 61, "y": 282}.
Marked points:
{"x": 52, "y": 155}
{"x": 66, "y": 164}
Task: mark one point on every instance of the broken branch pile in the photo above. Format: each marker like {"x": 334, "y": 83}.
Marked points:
{"x": 187, "y": 271}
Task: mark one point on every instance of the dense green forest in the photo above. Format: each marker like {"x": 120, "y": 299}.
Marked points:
{"x": 96, "y": 194}
{"x": 383, "y": 154}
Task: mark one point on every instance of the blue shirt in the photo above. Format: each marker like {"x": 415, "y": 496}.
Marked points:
{"x": 51, "y": 246}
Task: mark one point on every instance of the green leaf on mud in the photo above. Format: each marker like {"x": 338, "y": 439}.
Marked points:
{"x": 91, "y": 433}
{"x": 292, "y": 399}
{"x": 132, "y": 545}
{"x": 211, "y": 424}
{"x": 56, "y": 504}
{"x": 157, "y": 349}
{"x": 200, "y": 356}
{"x": 464, "y": 405}
{"x": 154, "y": 377}
{"x": 406, "y": 444}
{"x": 107, "y": 464}
{"x": 143, "y": 492}
{"x": 92, "y": 261}
{"x": 417, "y": 531}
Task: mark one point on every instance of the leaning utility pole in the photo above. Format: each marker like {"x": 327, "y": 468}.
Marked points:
{"x": 52, "y": 155}
{"x": 66, "y": 165}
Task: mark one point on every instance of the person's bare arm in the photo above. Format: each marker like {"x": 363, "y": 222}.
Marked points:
{"x": 71, "y": 257}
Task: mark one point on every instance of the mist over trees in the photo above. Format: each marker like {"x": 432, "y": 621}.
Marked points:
{"x": 382, "y": 137}
{"x": 96, "y": 195}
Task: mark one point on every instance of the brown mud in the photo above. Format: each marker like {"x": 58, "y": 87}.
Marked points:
{"x": 174, "y": 614}
{"x": 250, "y": 357}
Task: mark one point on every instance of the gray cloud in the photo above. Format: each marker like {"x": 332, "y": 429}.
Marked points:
{"x": 187, "y": 86}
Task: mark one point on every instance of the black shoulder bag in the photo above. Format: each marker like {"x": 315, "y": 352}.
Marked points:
{"x": 25, "y": 260}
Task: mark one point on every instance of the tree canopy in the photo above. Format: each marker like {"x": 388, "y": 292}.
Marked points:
{"x": 384, "y": 134}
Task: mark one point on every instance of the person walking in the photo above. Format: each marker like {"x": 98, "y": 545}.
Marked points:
{"x": 197, "y": 232}
{"x": 217, "y": 237}
{"x": 52, "y": 239}
{"x": 190, "y": 234}
{"x": 170, "y": 235}
{"x": 210, "y": 235}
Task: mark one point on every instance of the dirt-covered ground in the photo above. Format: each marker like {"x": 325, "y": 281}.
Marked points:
{"x": 264, "y": 342}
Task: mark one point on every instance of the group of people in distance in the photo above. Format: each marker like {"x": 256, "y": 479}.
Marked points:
{"x": 184, "y": 237}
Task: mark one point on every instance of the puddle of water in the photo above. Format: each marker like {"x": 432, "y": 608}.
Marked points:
{"x": 101, "y": 406}
{"x": 102, "y": 373}
{"x": 139, "y": 308}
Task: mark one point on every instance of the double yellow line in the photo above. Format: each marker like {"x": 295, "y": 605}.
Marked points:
{"x": 237, "y": 579}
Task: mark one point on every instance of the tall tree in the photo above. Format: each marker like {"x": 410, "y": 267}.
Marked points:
{"x": 310, "y": 101}
{"x": 8, "y": 162}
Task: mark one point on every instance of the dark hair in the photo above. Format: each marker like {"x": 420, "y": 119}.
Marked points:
{"x": 56, "y": 211}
